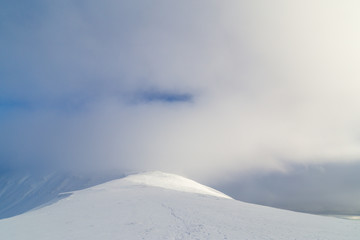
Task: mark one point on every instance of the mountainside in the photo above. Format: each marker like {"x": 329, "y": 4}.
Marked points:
{"x": 23, "y": 191}
{"x": 159, "y": 206}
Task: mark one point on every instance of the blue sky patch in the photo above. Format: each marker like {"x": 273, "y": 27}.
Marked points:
{"x": 167, "y": 97}
{"x": 6, "y": 105}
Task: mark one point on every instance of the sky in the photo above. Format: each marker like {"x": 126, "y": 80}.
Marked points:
{"x": 212, "y": 90}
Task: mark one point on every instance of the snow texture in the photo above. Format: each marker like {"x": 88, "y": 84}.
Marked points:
{"x": 158, "y": 206}
{"x": 23, "y": 191}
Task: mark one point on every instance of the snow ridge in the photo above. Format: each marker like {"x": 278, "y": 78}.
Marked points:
{"x": 173, "y": 182}
{"x": 161, "y": 206}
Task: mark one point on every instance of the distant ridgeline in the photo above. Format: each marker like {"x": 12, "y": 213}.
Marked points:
{"x": 22, "y": 191}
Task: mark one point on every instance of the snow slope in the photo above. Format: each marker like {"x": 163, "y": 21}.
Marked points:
{"x": 160, "y": 206}
{"x": 22, "y": 191}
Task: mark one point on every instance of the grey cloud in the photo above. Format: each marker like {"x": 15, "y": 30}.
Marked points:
{"x": 315, "y": 188}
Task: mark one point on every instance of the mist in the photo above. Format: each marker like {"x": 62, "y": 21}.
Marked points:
{"x": 206, "y": 89}
{"x": 328, "y": 189}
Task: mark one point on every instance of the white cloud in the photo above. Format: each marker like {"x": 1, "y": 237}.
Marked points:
{"x": 272, "y": 81}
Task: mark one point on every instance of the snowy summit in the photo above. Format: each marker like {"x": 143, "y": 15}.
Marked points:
{"x": 173, "y": 182}
{"x": 159, "y": 206}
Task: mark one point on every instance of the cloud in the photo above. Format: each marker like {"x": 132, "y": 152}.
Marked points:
{"x": 169, "y": 97}
{"x": 330, "y": 188}
{"x": 219, "y": 87}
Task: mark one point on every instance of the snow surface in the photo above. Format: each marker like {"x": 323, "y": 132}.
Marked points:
{"x": 174, "y": 182}
{"x": 158, "y": 206}
{"x": 22, "y": 191}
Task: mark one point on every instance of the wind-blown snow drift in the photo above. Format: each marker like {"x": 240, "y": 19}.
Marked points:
{"x": 145, "y": 206}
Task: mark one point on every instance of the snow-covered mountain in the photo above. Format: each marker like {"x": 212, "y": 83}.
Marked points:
{"x": 22, "y": 191}
{"x": 157, "y": 206}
